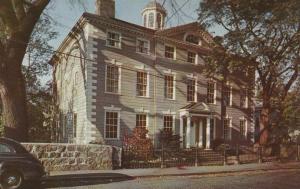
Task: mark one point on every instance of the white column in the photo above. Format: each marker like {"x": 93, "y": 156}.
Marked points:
{"x": 188, "y": 132}
{"x": 200, "y": 134}
{"x": 208, "y": 133}
{"x": 181, "y": 131}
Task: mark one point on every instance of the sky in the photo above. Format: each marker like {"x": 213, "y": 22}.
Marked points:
{"x": 66, "y": 15}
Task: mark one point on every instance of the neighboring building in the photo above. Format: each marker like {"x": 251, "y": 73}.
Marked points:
{"x": 143, "y": 76}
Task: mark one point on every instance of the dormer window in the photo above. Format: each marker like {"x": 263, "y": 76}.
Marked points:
{"x": 192, "y": 39}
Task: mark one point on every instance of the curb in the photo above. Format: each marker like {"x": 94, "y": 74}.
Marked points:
{"x": 220, "y": 173}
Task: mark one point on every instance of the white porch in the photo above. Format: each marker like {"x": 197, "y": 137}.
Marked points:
{"x": 196, "y": 126}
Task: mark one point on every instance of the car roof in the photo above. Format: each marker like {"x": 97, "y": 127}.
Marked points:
{"x": 16, "y": 145}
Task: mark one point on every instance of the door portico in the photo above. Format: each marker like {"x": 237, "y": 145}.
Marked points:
{"x": 195, "y": 126}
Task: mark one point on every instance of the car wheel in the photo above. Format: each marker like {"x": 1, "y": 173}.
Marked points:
{"x": 12, "y": 180}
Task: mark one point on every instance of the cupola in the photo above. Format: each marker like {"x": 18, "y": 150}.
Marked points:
{"x": 154, "y": 15}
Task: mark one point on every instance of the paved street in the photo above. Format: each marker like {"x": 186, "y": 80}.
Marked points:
{"x": 288, "y": 179}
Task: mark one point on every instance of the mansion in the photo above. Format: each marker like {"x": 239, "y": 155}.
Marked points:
{"x": 111, "y": 76}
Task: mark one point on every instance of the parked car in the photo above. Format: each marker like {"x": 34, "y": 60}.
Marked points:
{"x": 17, "y": 165}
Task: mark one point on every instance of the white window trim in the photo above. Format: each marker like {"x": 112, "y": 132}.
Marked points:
{"x": 215, "y": 90}
{"x": 148, "y": 82}
{"x": 118, "y": 64}
{"x": 145, "y": 40}
{"x": 246, "y": 126}
{"x": 112, "y": 31}
{"x": 112, "y": 109}
{"x": 169, "y": 72}
{"x": 194, "y": 77}
{"x": 173, "y": 114}
{"x": 196, "y": 57}
{"x": 175, "y": 50}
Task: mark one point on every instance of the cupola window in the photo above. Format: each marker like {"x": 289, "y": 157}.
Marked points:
{"x": 151, "y": 20}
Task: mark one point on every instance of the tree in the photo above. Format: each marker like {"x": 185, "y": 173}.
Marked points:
{"x": 265, "y": 35}
{"x": 18, "y": 19}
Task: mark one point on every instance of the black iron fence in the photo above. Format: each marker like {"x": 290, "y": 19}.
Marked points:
{"x": 162, "y": 158}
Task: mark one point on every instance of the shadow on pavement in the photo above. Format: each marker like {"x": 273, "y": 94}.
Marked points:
{"x": 73, "y": 180}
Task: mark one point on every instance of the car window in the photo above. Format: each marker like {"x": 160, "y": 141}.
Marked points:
{"x": 6, "y": 149}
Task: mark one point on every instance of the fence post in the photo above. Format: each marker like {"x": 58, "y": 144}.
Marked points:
{"x": 162, "y": 165}
{"x": 196, "y": 159}
{"x": 259, "y": 154}
{"x": 225, "y": 156}
{"x": 238, "y": 154}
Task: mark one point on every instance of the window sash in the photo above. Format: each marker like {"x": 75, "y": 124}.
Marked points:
{"x": 211, "y": 92}
{"x": 191, "y": 57}
{"x": 168, "y": 123}
{"x": 113, "y": 39}
{"x": 169, "y": 52}
{"x": 111, "y": 125}
{"x": 141, "y": 120}
{"x": 142, "y": 84}
{"x": 169, "y": 87}
{"x": 142, "y": 46}
{"x": 112, "y": 79}
{"x": 191, "y": 90}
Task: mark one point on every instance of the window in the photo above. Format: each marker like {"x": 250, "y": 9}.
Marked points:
{"x": 227, "y": 129}
{"x": 142, "y": 84}
{"x": 113, "y": 39}
{"x": 6, "y": 149}
{"x": 191, "y": 57}
{"x": 169, "y": 87}
{"x": 141, "y": 120}
{"x": 168, "y": 123}
{"x": 158, "y": 20}
{"x": 227, "y": 95}
{"x": 145, "y": 20}
{"x": 191, "y": 90}
{"x": 243, "y": 133}
{"x": 211, "y": 85}
{"x": 142, "y": 46}
{"x": 151, "y": 20}
{"x": 244, "y": 98}
{"x": 74, "y": 125}
{"x": 192, "y": 39}
{"x": 111, "y": 125}
{"x": 169, "y": 52}
{"x": 112, "y": 79}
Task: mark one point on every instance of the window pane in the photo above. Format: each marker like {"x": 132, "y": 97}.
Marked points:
{"x": 169, "y": 87}
{"x": 151, "y": 20}
{"x": 5, "y": 149}
{"x": 141, "y": 120}
{"x": 227, "y": 129}
{"x": 243, "y": 128}
{"x": 211, "y": 92}
{"x": 142, "y": 83}
{"x": 113, "y": 39}
{"x": 111, "y": 125}
{"x": 112, "y": 79}
{"x": 191, "y": 90}
{"x": 191, "y": 57}
{"x": 169, "y": 52}
{"x": 227, "y": 95}
{"x": 168, "y": 123}
{"x": 142, "y": 46}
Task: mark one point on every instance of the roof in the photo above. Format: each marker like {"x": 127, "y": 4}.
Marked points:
{"x": 155, "y": 5}
{"x": 197, "y": 107}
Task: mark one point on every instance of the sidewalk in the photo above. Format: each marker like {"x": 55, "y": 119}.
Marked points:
{"x": 186, "y": 171}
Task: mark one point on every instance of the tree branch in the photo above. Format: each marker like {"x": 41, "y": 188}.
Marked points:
{"x": 8, "y": 16}
{"x": 20, "y": 9}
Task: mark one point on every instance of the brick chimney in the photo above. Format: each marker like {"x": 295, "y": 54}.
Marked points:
{"x": 105, "y": 8}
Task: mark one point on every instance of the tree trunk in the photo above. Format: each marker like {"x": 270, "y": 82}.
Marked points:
{"x": 13, "y": 97}
{"x": 264, "y": 124}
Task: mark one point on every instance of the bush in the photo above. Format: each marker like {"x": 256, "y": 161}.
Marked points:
{"x": 138, "y": 146}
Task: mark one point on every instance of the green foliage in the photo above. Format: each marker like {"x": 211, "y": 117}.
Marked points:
{"x": 169, "y": 140}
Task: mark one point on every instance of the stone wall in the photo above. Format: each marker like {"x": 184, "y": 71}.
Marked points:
{"x": 67, "y": 157}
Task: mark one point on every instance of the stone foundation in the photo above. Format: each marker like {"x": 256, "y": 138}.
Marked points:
{"x": 67, "y": 157}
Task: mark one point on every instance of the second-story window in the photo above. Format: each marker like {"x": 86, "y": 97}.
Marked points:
{"x": 227, "y": 95}
{"x": 211, "y": 92}
{"x": 191, "y": 90}
{"x": 142, "y": 84}
{"x": 113, "y": 39}
{"x": 244, "y": 98}
{"x": 191, "y": 57}
{"x": 112, "y": 79}
{"x": 169, "y": 52}
{"x": 142, "y": 46}
{"x": 169, "y": 87}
